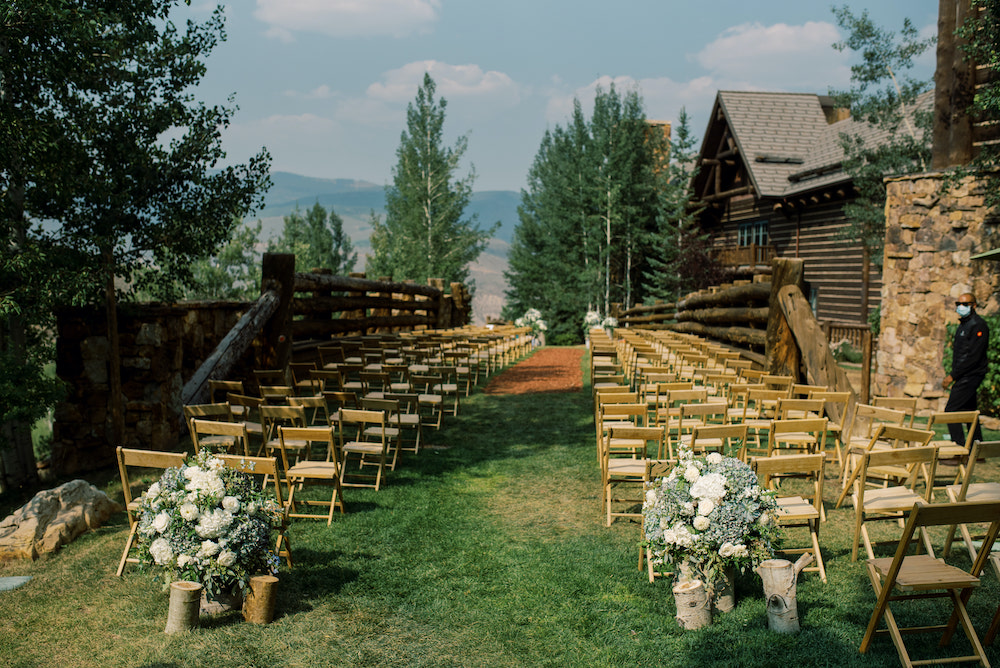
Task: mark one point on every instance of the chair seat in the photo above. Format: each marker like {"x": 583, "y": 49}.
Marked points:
{"x": 949, "y": 449}
{"x": 892, "y": 499}
{"x": 621, "y": 467}
{"x": 363, "y": 447}
{"x": 793, "y": 508}
{"x": 978, "y": 491}
{"x": 311, "y": 469}
{"x": 923, "y": 572}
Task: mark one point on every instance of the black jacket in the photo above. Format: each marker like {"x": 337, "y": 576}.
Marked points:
{"x": 972, "y": 339}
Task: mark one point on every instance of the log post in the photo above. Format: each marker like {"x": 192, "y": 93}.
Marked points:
{"x": 278, "y": 274}
{"x": 258, "y": 606}
{"x": 694, "y": 610}
{"x": 866, "y": 366}
{"x": 783, "y": 355}
{"x": 780, "y": 577}
{"x": 185, "y": 606}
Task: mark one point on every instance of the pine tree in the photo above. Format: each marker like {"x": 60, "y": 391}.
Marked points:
{"x": 317, "y": 240}
{"x": 424, "y": 235}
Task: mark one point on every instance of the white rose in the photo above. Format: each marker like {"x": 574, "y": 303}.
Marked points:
{"x": 691, "y": 473}
{"x": 183, "y": 560}
{"x": 160, "y": 522}
{"x": 231, "y": 503}
{"x": 153, "y": 491}
{"x": 226, "y": 558}
{"x": 714, "y": 458}
{"x": 705, "y": 507}
{"x": 189, "y": 511}
{"x": 701, "y": 523}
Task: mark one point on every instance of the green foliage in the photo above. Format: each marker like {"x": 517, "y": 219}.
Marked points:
{"x": 875, "y": 320}
{"x": 233, "y": 272}
{"x": 680, "y": 261}
{"x": 424, "y": 235}
{"x": 845, "y": 352}
{"x": 989, "y": 392}
{"x": 585, "y": 220}
{"x": 884, "y": 96}
{"x": 317, "y": 240}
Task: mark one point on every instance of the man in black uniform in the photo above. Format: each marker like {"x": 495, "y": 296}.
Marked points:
{"x": 968, "y": 364}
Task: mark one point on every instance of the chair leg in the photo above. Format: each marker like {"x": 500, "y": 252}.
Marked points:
{"x": 128, "y": 548}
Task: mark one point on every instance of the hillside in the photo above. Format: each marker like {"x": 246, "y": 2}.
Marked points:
{"x": 354, "y": 201}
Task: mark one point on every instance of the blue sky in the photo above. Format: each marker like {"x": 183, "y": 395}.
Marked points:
{"x": 324, "y": 84}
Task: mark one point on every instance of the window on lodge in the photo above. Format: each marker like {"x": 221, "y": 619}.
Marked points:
{"x": 753, "y": 233}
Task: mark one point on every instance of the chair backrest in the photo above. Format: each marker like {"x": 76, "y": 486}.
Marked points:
{"x": 276, "y": 392}
{"x": 723, "y": 437}
{"x": 812, "y": 465}
{"x": 835, "y": 405}
{"x": 262, "y": 466}
{"x": 317, "y": 406}
{"x": 273, "y": 416}
{"x": 796, "y": 407}
{"x": 648, "y": 435}
{"x": 635, "y": 413}
{"x": 968, "y": 418}
{"x": 218, "y": 389}
{"x": 250, "y": 405}
{"x": 773, "y": 382}
{"x": 814, "y": 426}
{"x": 802, "y": 390}
{"x": 388, "y": 406}
{"x": 897, "y": 436}
{"x": 906, "y": 404}
{"x": 913, "y": 460}
{"x": 658, "y": 468}
{"x": 981, "y": 450}
{"x": 310, "y": 435}
{"x": 868, "y": 417}
{"x": 221, "y": 412}
{"x": 706, "y": 412}
{"x": 271, "y": 377}
{"x": 237, "y": 431}
{"x": 130, "y": 458}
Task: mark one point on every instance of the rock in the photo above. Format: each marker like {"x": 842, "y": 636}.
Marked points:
{"x": 54, "y": 518}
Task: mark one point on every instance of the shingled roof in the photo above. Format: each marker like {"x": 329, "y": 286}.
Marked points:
{"x": 785, "y": 141}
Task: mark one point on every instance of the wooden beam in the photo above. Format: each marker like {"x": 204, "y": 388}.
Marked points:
{"x": 742, "y": 190}
{"x": 231, "y": 349}
{"x": 737, "y": 294}
{"x": 740, "y": 335}
{"x": 724, "y": 315}
{"x": 313, "y": 282}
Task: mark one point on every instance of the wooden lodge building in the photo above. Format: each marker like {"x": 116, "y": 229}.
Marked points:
{"x": 770, "y": 174}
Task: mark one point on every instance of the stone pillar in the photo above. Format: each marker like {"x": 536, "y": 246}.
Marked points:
{"x": 930, "y": 235}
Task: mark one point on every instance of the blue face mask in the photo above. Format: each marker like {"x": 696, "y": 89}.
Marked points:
{"x": 963, "y": 310}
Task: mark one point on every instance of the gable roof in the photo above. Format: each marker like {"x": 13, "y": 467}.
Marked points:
{"x": 784, "y": 139}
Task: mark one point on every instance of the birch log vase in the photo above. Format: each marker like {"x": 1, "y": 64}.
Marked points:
{"x": 694, "y": 610}
{"x": 724, "y": 591}
{"x": 779, "y": 577}
{"x": 185, "y": 606}
{"x": 258, "y": 606}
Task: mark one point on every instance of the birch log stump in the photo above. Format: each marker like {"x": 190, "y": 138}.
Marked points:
{"x": 185, "y": 606}
{"x": 780, "y": 577}
{"x": 694, "y": 610}
{"x": 258, "y": 606}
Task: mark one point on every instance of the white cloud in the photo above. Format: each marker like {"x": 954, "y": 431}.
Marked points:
{"x": 662, "y": 97}
{"x": 776, "y": 57}
{"x": 321, "y": 92}
{"x": 348, "y": 18}
{"x": 452, "y": 81}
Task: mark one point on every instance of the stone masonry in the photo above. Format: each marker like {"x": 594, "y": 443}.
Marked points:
{"x": 931, "y": 232}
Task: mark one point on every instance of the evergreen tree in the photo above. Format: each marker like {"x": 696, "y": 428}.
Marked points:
{"x": 232, "y": 273}
{"x": 424, "y": 235}
{"x": 679, "y": 258}
{"x": 981, "y": 34}
{"x": 317, "y": 240}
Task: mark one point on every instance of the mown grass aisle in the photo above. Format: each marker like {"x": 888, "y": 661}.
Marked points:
{"x": 487, "y": 552}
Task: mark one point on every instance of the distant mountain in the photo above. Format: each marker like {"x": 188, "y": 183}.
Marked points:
{"x": 354, "y": 201}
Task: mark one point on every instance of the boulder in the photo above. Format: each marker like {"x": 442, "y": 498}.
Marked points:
{"x": 54, "y": 518}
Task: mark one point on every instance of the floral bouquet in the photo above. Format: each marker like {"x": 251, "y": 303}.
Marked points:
{"x": 208, "y": 523}
{"x": 532, "y": 318}
{"x": 708, "y": 514}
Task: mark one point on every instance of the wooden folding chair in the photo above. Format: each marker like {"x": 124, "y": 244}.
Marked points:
{"x": 728, "y": 440}
{"x": 947, "y": 448}
{"x": 219, "y": 412}
{"x": 793, "y": 509}
{"x": 369, "y": 444}
{"x": 908, "y": 405}
{"x": 272, "y": 417}
{"x": 218, "y": 389}
{"x": 797, "y": 436}
{"x": 904, "y": 577}
{"x": 890, "y": 502}
{"x": 267, "y": 468}
{"x": 623, "y": 466}
{"x": 835, "y": 409}
{"x": 128, "y": 460}
{"x": 691, "y": 415}
{"x": 885, "y": 437}
{"x": 308, "y": 472}
{"x": 655, "y": 468}
{"x": 215, "y": 435}
{"x": 974, "y": 491}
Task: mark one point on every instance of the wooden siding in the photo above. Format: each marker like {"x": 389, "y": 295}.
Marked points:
{"x": 833, "y": 266}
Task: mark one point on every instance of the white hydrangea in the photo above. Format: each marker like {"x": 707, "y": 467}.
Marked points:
{"x": 709, "y": 486}
{"x": 153, "y": 491}
{"x": 705, "y": 507}
{"x": 733, "y": 550}
{"x": 714, "y": 458}
{"x": 205, "y": 482}
{"x": 183, "y": 560}
{"x": 161, "y": 552}
{"x": 212, "y": 524}
{"x": 691, "y": 473}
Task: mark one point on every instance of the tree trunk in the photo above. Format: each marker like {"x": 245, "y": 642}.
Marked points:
{"x": 693, "y": 608}
{"x": 114, "y": 353}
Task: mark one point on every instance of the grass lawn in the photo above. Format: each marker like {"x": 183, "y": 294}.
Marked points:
{"x": 489, "y": 550}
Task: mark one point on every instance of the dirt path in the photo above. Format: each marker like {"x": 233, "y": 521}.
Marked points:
{"x": 547, "y": 370}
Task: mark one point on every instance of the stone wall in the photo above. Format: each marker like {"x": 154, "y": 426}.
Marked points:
{"x": 930, "y": 235}
{"x": 161, "y": 347}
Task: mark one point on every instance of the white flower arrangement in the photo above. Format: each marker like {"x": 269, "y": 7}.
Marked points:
{"x": 532, "y": 318}
{"x": 208, "y": 523}
{"x": 707, "y": 514}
